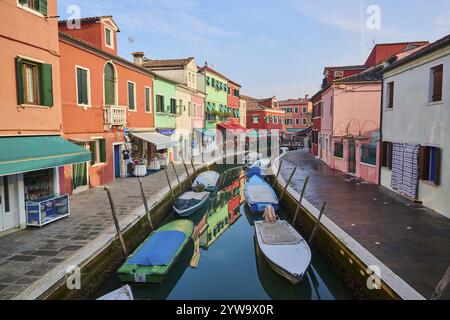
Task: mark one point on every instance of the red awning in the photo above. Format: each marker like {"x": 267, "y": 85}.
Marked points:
{"x": 232, "y": 125}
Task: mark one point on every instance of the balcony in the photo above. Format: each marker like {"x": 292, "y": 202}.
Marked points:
{"x": 115, "y": 116}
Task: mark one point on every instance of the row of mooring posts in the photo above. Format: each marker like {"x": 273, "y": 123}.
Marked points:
{"x": 300, "y": 200}
{"x": 145, "y": 201}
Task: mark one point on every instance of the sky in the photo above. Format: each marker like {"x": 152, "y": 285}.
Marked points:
{"x": 270, "y": 47}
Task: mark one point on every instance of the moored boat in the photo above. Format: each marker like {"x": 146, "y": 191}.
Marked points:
{"x": 190, "y": 202}
{"x": 122, "y": 294}
{"x": 259, "y": 195}
{"x": 208, "y": 179}
{"x": 284, "y": 248}
{"x": 151, "y": 262}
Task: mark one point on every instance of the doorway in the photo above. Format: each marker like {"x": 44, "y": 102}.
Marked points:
{"x": 352, "y": 157}
{"x": 9, "y": 217}
{"x": 117, "y": 160}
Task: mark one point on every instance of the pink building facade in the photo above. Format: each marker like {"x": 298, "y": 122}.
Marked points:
{"x": 351, "y": 125}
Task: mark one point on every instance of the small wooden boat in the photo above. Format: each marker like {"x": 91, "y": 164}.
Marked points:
{"x": 284, "y": 248}
{"x": 259, "y": 195}
{"x": 208, "y": 179}
{"x": 190, "y": 202}
{"x": 121, "y": 294}
{"x": 151, "y": 262}
{"x": 261, "y": 168}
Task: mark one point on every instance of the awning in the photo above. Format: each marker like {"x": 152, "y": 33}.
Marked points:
{"x": 25, "y": 154}
{"x": 160, "y": 141}
{"x": 206, "y": 132}
{"x": 233, "y": 125}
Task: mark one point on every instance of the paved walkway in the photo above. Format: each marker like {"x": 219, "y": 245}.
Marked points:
{"x": 28, "y": 255}
{"x": 411, "y": 240}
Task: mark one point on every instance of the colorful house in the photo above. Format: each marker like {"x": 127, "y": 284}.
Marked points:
{"x": 190, "y": 100}
{"x": 33, "y": 152}
{"x": 416, "y": 126}
{"x": 317, "y": 104}
{"x": 297, "y": 114}
{"x": 264, "y": 114}
{"x": 216, "y": 100}
{"x": 350, "y": 124}
{"x": 107, "y": 101}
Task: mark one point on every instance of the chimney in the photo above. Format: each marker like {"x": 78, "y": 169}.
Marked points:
{"x": 306, "y": 97}
{"x": 138, "y": 58}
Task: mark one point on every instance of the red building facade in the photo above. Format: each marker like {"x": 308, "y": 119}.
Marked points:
{"x": 264, "y": 114}
{"x": 102, "y": 94}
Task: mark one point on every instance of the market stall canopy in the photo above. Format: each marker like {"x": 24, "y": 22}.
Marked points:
{"x": 160, "y": 141}
{"x": 25, "y": 154}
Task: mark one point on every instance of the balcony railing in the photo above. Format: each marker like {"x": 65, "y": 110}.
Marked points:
{"x": 115, "y": 116}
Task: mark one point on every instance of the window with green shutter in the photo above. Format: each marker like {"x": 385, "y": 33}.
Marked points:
{"x": 147, "y": 100}
{"x": 131, "y": 96}
{"x": 37, "y": 5}
{"x": 93, "y": 148}
{"x": 102, "y": 150}
{"x": 34, "y": 83}
{"x": 82, "y": 86}
{"x": 110, "y": 84}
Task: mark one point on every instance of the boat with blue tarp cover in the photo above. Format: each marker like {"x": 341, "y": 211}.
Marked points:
{"x": 151, "y": 262}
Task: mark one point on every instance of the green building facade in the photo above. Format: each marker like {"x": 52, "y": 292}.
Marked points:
{"x": 216, "y": 109}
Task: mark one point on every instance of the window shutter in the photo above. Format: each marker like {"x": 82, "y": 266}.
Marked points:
{"x": 423, "y": 163}
{"x": 93, "y": 147}
{"x": 102, "y": 145}
{"x": 437, "y": 96}
{"x": 19, "y": 78}
{"x": 46, "y": 85}
{"x": 43, "y": 7}
{"x": 437, "y": 166}
{"x": 384, "y": 152}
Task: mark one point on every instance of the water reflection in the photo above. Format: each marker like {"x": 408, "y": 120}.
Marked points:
{"x": 223, "y": 244}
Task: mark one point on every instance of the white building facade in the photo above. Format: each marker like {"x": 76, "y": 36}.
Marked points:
{"x": 416, "y": 127}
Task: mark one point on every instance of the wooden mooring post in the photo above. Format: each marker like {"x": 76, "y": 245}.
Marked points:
{"x": 316, "y": 227}
{"x": 278, "y": 174}
{"x": 170, "y": 185}
{"x": 187, "y": 171}
{"x": 116, "y": 222}
{"x": 300, "y": 200}
{"x": 442, "y": 285}
{"x": 144, "y": 199}
{"x": 193, "y": 167}
{"x": 176, "y": 174}
{"x": 287, "y": 184}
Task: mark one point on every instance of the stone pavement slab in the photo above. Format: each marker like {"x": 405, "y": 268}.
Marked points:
{"x": 412, "y": 240}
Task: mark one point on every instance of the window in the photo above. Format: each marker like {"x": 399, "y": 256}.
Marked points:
{"x": 148, "y": 107}
{"x": 173, "y": 106}
{"x": 110, "y": 84}
{"x": 331, "y": 105}
{"x": 131, "y": 96}
{"x": 296, "y": 110}
{"x": 98, "y": 151}
{"x": 255, "y": 119}
{"x": 430, "y": 164}
{"x": 386, "y": 155}
{"x": 159, "y": 103}
{"x": 297, "y": 121}
{"x": 288, "y": 122}
{"x": 189, "y": 108}
{"x": 369, "y": 154}
{"x": 304, "y": 122}
{"x": 304, "y": 110}
{"x": 83, "y": 86}
{"x": 436, "y": 83}
{"x": 390, "y": 95}
{"x": 36, "y": 5}
{"x": 34, "y": 83}
{"x": 109, "y": 38}
{"x": 339, "y": 149}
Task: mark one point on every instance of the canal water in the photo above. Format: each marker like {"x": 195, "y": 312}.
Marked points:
{"x": 222, "y": 262}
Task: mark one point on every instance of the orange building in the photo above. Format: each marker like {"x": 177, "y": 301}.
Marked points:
{"x": 104, "y": 97}
{"x": 33, "y": 153}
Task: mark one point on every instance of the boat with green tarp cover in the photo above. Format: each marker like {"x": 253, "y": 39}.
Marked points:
{"x": 151, "y": 262}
